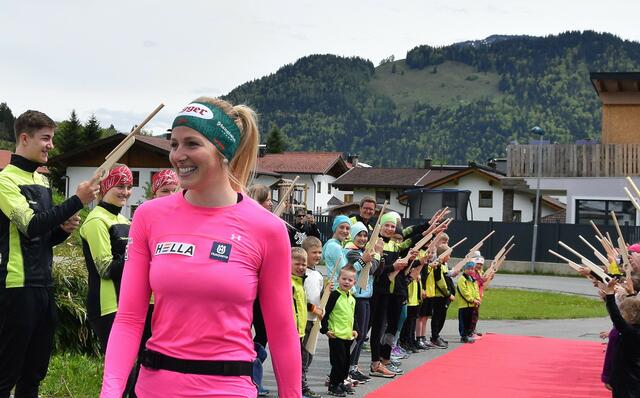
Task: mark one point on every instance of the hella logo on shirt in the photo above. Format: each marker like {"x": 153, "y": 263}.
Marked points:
{"x": 183, "y": 249}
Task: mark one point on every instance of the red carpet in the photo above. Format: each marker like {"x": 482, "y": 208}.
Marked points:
{"x": 507, "y": 366}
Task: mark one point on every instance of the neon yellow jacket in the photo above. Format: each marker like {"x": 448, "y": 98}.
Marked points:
{"x": 299, "y": 303}
{"x": 467, "y": 292}
{"x": 436, "y": 285}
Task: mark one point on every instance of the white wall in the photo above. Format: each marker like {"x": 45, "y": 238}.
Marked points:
{"x": 78, "y": 174}
{"x": 475, "y": 183}
{"x": 575, "y": 188}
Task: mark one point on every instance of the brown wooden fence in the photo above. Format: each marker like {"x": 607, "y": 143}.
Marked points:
{"x": 561, "y": 160}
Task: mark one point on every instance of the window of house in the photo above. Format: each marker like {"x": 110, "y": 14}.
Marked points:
{"x": 485, "y": 199}
{"x": 517, "y": 216}
{"x": 136, "y": 178}
{"x": 329, "y": 188}
{"x": 381, "y": 196}
{"x": 319, "y": 190}
{"x": 599, "y": 211}
{"x": 348, "y": 198}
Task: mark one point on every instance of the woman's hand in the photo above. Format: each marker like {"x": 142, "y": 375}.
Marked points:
{"x": 609, "y": 288}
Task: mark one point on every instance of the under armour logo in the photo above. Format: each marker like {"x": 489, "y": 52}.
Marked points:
{"x": 236, "y": 237}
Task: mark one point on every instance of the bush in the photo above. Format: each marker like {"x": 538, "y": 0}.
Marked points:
{"x": 70, "y": 281}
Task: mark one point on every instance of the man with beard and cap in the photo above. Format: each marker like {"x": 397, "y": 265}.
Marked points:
{"x": 304, "y": 225}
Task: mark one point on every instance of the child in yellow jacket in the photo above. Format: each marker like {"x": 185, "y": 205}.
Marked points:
{"x": 468, "y": 298}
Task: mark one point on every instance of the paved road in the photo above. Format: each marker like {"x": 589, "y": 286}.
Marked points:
{"x": 581, "y": 329}
{"x": 564, "y": 284}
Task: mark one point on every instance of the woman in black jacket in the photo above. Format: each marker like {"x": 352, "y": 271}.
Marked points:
{"x": 625, "y": 375}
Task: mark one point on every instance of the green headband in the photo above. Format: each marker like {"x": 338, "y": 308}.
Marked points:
{"x": 213, "y": 123}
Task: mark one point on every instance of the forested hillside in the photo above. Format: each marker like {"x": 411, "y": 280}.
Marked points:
{"x": 456, "y": 103}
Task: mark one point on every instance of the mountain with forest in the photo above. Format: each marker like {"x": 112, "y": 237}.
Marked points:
{"x": 457, "y": 103}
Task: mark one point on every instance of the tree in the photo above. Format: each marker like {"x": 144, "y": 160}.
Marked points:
{"x": 6, "y": 123}
{"x": 92, "y": 130}
{"x": 111, "y": 130}
{"x": 70, "y": 134}
{"x": 276, "y": 141}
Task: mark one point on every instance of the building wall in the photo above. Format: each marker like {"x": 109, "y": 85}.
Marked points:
{"x": 475, "y": 184}
{"x": 78, "y": 174}
{"x": 621, "y": 124}
{"x": 317, "y": 202}
{"x": 394, "y": 204}
{"x": 610, "y": 188}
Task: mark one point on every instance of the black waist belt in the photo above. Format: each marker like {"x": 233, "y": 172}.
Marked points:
{"x": 156, "y": 360}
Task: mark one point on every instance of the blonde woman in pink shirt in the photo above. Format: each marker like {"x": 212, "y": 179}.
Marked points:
{"x": 206, "y": 253}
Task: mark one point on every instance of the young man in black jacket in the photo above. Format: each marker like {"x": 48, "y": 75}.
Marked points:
{"x": 29, "y": 228}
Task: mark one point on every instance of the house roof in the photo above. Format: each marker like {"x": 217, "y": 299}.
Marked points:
{"x": 434, "y": 183}
{"x": 395, "y": 177}
{"x": 303, "y": 163}
{"x": 613, "y": 82}
{"x": 5, "y": 159}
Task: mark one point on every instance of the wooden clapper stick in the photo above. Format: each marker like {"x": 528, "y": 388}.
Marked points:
{"x": 634, "y": 200}
{"x": 570, "y": 263}
{"x": 622, "y": 248}
{"x": 417, "y": 246}
{"x": 470, "y": 254}
{"x": 315, "y": 329}
{"x": 587, "y": 263}
{"x": 363, "y": 279}
{"x": 604, "y": 241}
{"x": 122, "y": 148}
{"x": 499, "y": 257}
{"x": 280, "y": 208}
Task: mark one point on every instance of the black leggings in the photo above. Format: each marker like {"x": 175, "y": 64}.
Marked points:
{"x": 394, "y": 308}
{"x": 379, "y": 304}
{"x": 102, "y": 328}
{"x": 362, "y": 315}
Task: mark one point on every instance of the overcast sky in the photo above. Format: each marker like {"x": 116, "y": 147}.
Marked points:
{"x": 119, "y": 59}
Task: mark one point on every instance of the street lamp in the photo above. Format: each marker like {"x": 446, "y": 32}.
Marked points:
{"x": 540, "y": 132}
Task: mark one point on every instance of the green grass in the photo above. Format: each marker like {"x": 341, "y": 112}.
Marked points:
{"x": 524, "y": 304}
{"x": 74, "y": 376}
{"x": 452, "y": 84}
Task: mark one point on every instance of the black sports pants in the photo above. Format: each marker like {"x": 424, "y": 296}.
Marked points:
{"x": 339, "y": 358}
{"x": 439, "y": 305}
{"x": 28, "y": 319}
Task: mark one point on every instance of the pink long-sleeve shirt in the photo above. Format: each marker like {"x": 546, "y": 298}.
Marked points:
{"x": 205, "y": 267}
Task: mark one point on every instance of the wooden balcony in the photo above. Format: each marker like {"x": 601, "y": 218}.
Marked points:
{"x": 571, "y": 160}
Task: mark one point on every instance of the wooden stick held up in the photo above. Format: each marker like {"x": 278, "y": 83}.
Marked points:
{"x": 281, "y": 206}
{"x": 363, "y": 279}
{"x": 120, "y": 149}
{"x": 315, "y": 329}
